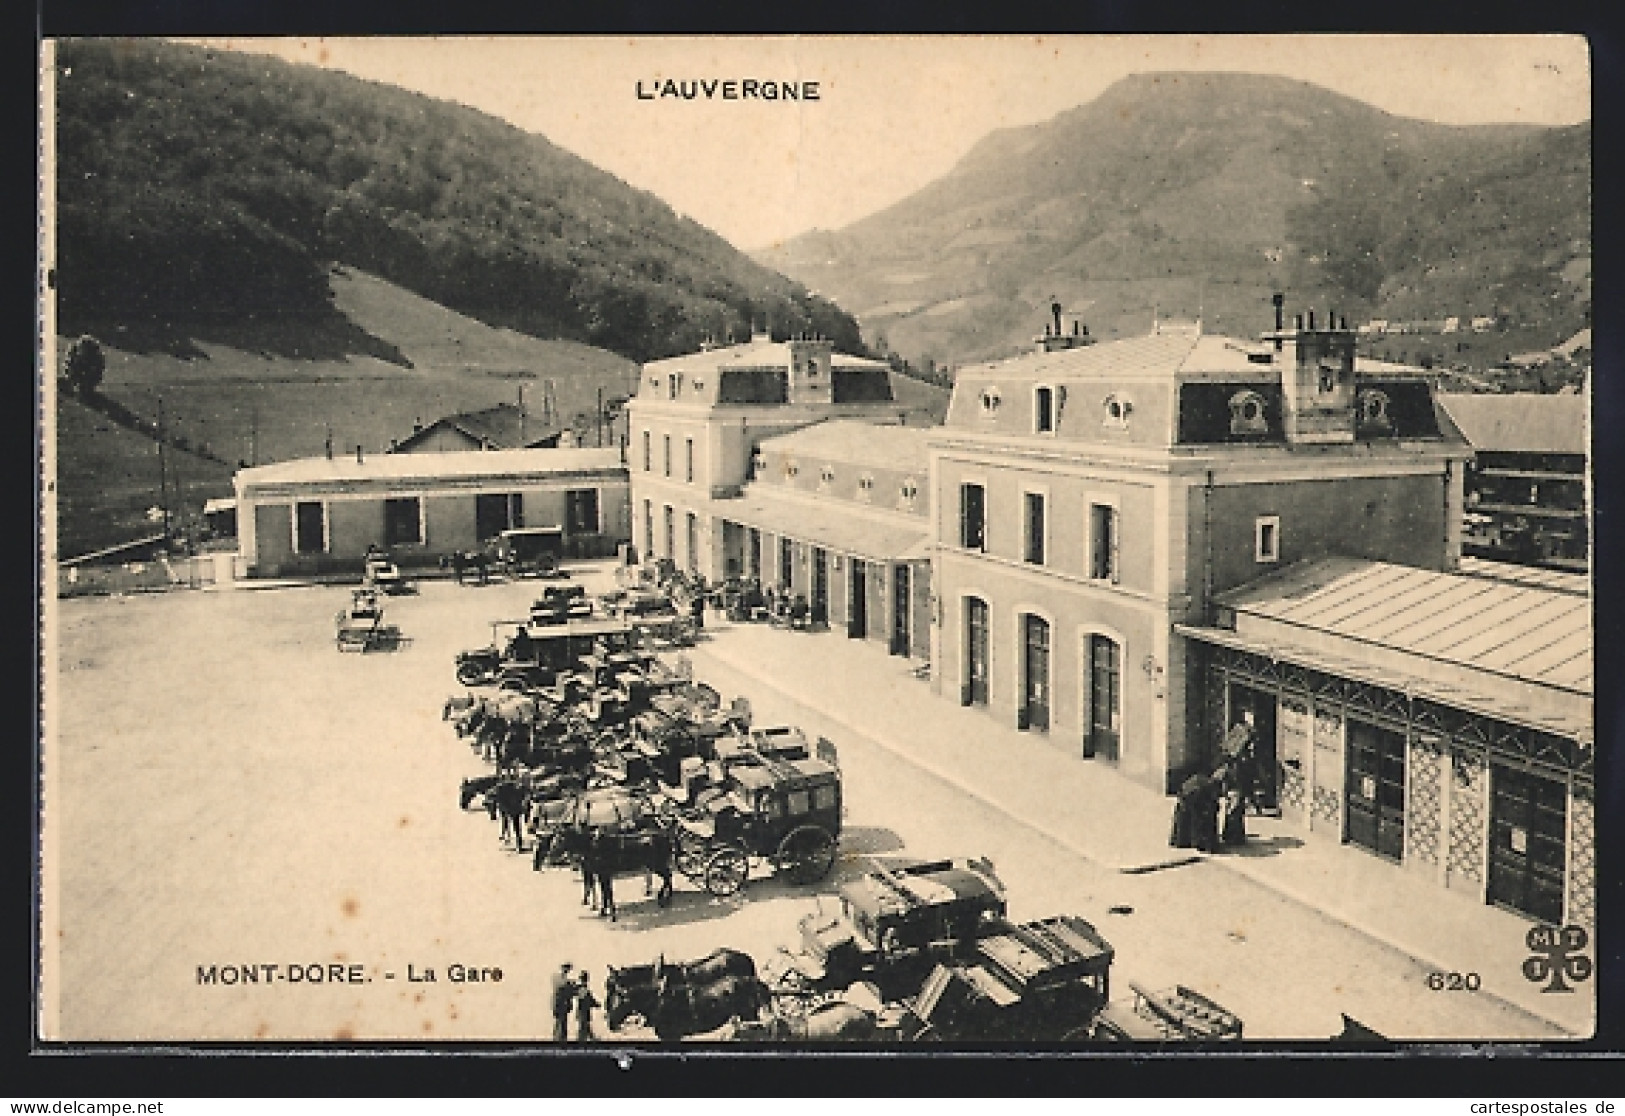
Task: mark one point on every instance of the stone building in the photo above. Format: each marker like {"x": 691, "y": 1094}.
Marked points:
{"x": 320, "y": 514}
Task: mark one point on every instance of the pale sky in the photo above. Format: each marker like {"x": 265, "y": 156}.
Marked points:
{"x": 894, "y": 113}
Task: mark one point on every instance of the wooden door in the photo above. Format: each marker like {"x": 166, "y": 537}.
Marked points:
{"x": 1375, "y": 790}
{"x": 1103, "y": 737}
{"x": 857, "y": 622}
{"x": 900, "y": 600}
{"x": 1528, "y": 817}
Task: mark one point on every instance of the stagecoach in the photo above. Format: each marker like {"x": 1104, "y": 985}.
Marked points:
{"x": 781, "y": 806}
{"x": 522, "y": 654}
{"x": 890, "y": 928}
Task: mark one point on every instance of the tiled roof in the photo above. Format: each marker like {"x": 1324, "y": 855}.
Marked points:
{"x": 862, "y": 443}
{"x": 756, "y": 353}
{"x": 1521, "y": 423}
{"x": 427, "y": 468}
{"x": 496, "y": 427}
{"x": 1520, "y": 632}
{"x": 1170, "y": 354}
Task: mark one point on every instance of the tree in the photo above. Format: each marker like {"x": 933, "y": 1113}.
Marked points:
{"x": 85, "y": 366}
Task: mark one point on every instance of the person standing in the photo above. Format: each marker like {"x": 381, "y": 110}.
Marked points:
{"x": 585, "y": 1002}
{"x": 564, "y": 995}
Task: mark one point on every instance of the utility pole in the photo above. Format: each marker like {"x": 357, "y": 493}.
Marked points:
{"x": 163, "y": 469}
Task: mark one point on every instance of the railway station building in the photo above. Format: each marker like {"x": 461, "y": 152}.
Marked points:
{"x": 790, "y": 462}
{"x": 320, "y": 514}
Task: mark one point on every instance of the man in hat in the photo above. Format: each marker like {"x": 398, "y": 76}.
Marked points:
{"x": 585, "y": 1002}
{"x": 564, "y": 995}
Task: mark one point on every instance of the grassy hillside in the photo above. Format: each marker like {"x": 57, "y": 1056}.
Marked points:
{"x": 1179, "y": 194}
{"x": 107, "y": 477}
{"x": 243, "y": 404}
{"x": 201, "y": 195}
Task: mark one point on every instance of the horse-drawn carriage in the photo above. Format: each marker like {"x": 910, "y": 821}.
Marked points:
{"x": 779, "y": 806}
{"x": 535, "y": 654}
{"x": 360, "y": 626}
{"x": 890, "y": 928}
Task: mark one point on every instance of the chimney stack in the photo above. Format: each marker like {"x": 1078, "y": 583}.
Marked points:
{"x": 358, "y": 460}
{"x": 1055, "y": 309}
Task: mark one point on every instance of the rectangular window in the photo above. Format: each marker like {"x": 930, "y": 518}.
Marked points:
{"x": 1103, "y": 564}
{"x": 581, "y": 511}
{"x": 786, "y": 563}
{"x": 1267, "y": 538}
{"x": 403, "y": 520}
{"x": 693, "y": 543}
{"x": 689, "y": 454}
{"x": 1034, "y": 550}
{"x": 648, "y": 525}
{"x": 495, "y": 512}
{"x": 972, "y": 517}
{"x": 668, "y": 455}
{"x": 310, "y": 527}
{"x": 671, "y": 533}
{"x": 648, "y": 452}
{"x": 1044, "y": 410}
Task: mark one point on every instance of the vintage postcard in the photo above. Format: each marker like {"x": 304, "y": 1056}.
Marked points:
{"x": 1008, "y": 540}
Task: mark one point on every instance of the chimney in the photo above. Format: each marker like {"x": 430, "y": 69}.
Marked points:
{"x": 417, "y": 426}
{"x": 1279, "y": 300}
{"x": 330, "y": 444}
{"x": 1055, "y": 309}
{"x": 358, "y": 460}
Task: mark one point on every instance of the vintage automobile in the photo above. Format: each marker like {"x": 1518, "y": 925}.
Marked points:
{"x": 1176, "y": 1014}
{"x": 530, "y": 550}
{"x": 890, "y": 927}
{"x": 560, "y": 603}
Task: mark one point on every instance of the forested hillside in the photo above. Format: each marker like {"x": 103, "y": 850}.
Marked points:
{"x": 200, "y": 191}
{"x": 1203, "y": 193}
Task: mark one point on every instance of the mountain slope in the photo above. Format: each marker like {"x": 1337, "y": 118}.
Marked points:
{"x": 200, "y": 190}
{"x": 1187, "y": 193}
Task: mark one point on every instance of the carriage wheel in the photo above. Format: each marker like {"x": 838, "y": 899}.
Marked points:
{"x": 690, "y": 853}
{"x": 470, "y": 673}
{"x": 726, "y": 871}
{"x": 806, "y": 855}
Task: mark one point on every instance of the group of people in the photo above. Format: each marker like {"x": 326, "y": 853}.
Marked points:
{"x": 1211, "y": 808}
{"x": 572, "y": 994}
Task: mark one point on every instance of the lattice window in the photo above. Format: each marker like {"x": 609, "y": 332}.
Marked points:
{"x": 1468, "y": 804}
{"x": 1423, "y": 824}
{"x": 1582, "y": 904}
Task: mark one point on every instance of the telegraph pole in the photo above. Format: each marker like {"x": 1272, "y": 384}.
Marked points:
{"x": 163, "y": 469}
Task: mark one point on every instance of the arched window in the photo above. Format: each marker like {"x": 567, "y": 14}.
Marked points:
{"x": 1247, "y": 413}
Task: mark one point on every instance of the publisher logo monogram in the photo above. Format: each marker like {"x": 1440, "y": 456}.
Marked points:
{"x": 1557, "y": 957}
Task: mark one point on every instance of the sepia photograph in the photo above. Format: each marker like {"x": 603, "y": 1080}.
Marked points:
{"x": 1066, "y": 543}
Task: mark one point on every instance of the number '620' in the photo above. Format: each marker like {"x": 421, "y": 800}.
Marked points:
{"x": 1454, "y": 982}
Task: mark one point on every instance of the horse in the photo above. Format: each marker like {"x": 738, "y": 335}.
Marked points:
{"x": 509, "y": 799}
{"x": 833, "y": 1021}
{"x": 681, "y": 1009}
{"x": 605, "y": 854}
{"x": 463, "y": 560}
{"x": 719, "y": 963}
{"x": 628, "y": 992}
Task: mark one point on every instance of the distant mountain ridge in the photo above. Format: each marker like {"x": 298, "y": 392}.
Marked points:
{"x": 200, "y": 187}
{"x": 1199, "y": 194}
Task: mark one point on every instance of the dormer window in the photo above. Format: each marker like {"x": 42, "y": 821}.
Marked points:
{"x": 990, "y": 402}
{"x": 1247, "y": 413}
{"x": 1372, "y": 409}
{"x": 1044, "y": 410}
{"x": 1115, "y": 409}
